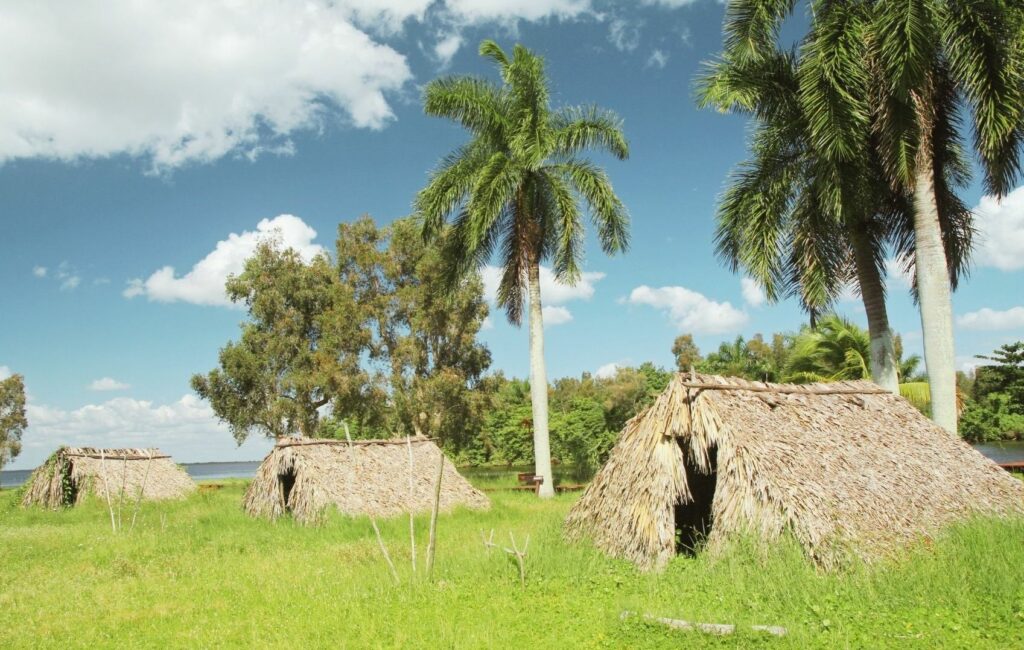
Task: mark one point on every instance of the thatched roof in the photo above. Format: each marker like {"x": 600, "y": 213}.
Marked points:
{"x": 849, "y": 468}
{"x": 370, "y": 477}
{"x": 72, "y": 473}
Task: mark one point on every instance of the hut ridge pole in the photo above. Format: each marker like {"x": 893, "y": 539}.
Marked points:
{"x": 412, "y": 523}
{"x": 373, "y": 520}
{"x": 432, "y": 543}
{"x": 106, "y": 490}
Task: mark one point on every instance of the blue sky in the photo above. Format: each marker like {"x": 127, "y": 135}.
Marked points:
{"x": 139, "y": 139}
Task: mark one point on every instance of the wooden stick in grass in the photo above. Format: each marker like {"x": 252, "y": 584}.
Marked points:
{"x": 120, "y": 496}
{"x": 708, "y": 628}
{"x": 373, "y": 520}
{"x": 106, "y": 489}
{"x": 412, "y": 523}
{"x": 520, "y": 556}
{"x": 432, "y": 542}
{"x": 138, "y": 499}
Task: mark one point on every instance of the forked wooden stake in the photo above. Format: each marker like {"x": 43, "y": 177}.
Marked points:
{"x": 520, "y": 556}
{"x": 488, "y": 542}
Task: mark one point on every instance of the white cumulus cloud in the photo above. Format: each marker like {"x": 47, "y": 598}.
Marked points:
{"x": 476, "y": 12}
{"x": 39, "y": 271}
{"x": 108, "y": 383}
{"x": 1000, "y": 224}
{"x": 556, "y": 315}
{"x": 185, "y": 81}
{"x": 5, "y": 372}
{"x": 553, "y": 293}
{"x": 991, "y": 319}
{"x": 608, "y": 370}
{"x": 690, "y": 311}
{"x": 204, "y": 283}
{"x": 752, "y": 292}
{"x": 446, "y": 48}
{"x": 187, "y": 429}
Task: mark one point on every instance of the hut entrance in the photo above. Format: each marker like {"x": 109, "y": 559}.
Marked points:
{"x": 694, "y": 519}
{"x": 287, "y": 481}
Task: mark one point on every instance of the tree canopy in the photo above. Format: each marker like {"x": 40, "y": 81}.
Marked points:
{"x": 13, "y": 421}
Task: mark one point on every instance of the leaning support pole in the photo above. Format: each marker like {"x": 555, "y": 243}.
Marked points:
{"x": 412, "y": 521}
{"x": 106, "y": 489}
{"x": 373, "y": 520}
{"x": 432, "y": 542}
{"x": 142, "y": 490}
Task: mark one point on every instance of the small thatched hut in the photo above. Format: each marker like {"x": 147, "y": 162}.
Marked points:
{"x": 850, "y": 469}
{"x": 371, "y": 477}
{"x": 72, "y": 473}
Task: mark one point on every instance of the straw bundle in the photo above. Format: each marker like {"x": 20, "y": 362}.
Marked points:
{"x": 849, "y": 469}
{"x": 71, "y": 474}
{"x": 305, "y": 476}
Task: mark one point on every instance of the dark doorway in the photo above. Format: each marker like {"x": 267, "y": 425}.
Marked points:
{"x": 287, "y": 481}
{"x": 694, "y": 519}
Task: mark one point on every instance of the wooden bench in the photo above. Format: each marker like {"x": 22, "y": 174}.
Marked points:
{"x": 529, "y": 480}
{"x": 1014, "y": 466}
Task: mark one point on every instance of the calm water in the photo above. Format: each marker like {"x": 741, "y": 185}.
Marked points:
{"x": 198, "y": 471}
{"x": 1001, "y": 452}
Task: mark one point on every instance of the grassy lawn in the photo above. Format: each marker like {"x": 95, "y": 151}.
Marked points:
{"x": 199, "y": 573}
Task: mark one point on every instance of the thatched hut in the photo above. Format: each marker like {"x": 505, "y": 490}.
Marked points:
{"x": 382, "y": 478}
{"x": 71, "y": 474}
{"x": 850, "y": 469}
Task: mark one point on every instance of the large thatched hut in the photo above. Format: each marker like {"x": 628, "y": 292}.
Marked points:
{"x": 382, "y": 478}
{"x": 71, "y": 474}
{"x": 850, "y": 469}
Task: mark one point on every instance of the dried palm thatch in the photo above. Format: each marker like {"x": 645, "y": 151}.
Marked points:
{"x": 71, "y": 474}
{"x": 851, "y": 470}
{"x": 305, "y": 476}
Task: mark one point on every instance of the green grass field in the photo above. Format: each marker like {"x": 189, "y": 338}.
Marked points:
{"x": 200, "y": 573}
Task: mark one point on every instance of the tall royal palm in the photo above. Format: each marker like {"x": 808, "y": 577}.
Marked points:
{"x": 801, "y": 225}
{"x": 898, "y": 72}
{"x": 515, "y": 190}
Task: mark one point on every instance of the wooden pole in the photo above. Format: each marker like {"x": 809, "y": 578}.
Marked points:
{"x": 106, "y": 490}
{"x": 412, "y": 521}
{"x": 138, "y": 500}
{"x": 373, "y": 520}
{"x": 520, "y": 556}
{"x": 432, "y": 542}
{"x": 708, "y": 628}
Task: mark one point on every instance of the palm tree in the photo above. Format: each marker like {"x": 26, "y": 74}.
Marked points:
{"x": 894, "y": 75}
{"x": 798, "y": 223}
{"x": 835, "y": 350}
{"x": 515, "y": 189}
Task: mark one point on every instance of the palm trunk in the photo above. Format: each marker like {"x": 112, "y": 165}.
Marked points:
{"x": 539, "y": 388}
{"x": 933, "y": 292}
{"x": 884, "y": 370}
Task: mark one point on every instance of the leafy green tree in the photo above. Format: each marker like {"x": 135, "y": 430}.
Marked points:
{"x": 686, "y": 352}
{"x": 515, "y": 189}
{"x": 994, "y": 417}
{"x": 753, "y": 359}
{"x": 508, "y": 429}
{"x": 580, "y": 437}
{"x": 1005, "y": 375}
{"x": 424, "y": 338}
{"x": 12, "y": 417}
{"x": 298, "y": 353}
